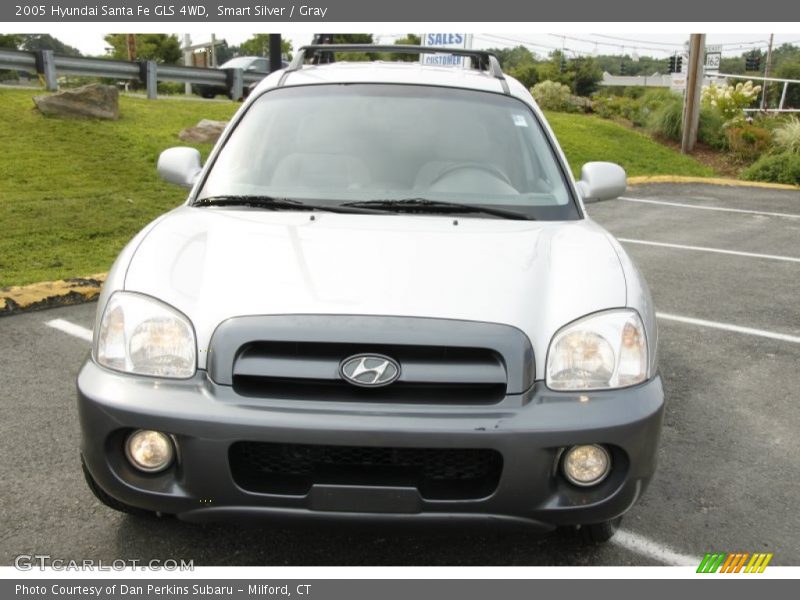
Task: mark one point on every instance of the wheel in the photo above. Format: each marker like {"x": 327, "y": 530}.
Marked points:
{"x": 108, "y": 500}
{"x": 598, "y": 533}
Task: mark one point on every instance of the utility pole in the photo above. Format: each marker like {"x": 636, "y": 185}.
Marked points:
{"x": 694, "y": 85}
{"x": 213, "y": 51}
{"x": 767, "y": 68}
{"x": 187, "y": 60}
{"x": 130, "y": 43}
{"x": 275, "y": 57}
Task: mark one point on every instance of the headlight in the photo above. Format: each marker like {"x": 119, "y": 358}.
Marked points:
{"x": 139, "y": 334}
{"x": 601, "y": 351}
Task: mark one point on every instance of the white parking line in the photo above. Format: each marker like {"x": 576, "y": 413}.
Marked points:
{"x": 646, "y": 547}
{"x": 783, "y": 337}
{"x": 719, "y": 208}
{"x": 707, "y": 249}
{"x": 71, "y": 329}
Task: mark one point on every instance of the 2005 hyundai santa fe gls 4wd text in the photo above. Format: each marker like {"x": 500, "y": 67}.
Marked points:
{"x": 382, "y": 300}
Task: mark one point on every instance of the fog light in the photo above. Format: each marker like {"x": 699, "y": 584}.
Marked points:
{"x": 149, "y": 451}
{"x": 586, "y": 465}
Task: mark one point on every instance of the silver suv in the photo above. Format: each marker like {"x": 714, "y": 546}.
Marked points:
{"x": 382, "y": 299}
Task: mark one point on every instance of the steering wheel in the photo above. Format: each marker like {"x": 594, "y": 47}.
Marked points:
{"x": 490, "y": 169}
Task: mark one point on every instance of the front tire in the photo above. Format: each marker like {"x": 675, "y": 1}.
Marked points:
{"x": 598, "y": 533}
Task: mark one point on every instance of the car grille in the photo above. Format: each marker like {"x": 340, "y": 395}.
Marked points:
{"x": 437, "y": 473}
{"x": 310, "y": 371}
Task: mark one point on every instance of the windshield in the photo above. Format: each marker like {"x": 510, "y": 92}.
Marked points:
{"x": 369, "y": 142}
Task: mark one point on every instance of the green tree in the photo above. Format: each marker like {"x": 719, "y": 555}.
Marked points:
{"x": 527, "y": 74}
{"x": 411, "y": 39}
{"x": 258, "y": 45}
{"x": 354, "y": 38}
{"x": 160, "y": 47}
{"x": 734, "y": 65}
{"x": 582, "y": 74}
{"x": 519, "y": 62}
{"x": 44, "y": 41}
{"x": 585, "y": 75}
{"x": 643, "y": 65}
{"x": 555, "y": 68}
{"x": 785, "y": 53}
{"x": 511, "y": 58}
{"x": 10, "y": 42}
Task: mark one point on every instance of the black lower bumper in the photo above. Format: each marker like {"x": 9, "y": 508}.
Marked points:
{"x": 529, "y": 431}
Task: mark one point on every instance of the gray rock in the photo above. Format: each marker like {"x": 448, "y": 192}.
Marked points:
{"x": 93, "y": 100}
{"x": 205, "y": 132}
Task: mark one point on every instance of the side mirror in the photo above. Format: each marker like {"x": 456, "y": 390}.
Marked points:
{"x": 179, "y": 165}
{"x": 602, "y": 181}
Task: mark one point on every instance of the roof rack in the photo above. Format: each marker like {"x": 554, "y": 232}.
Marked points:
{"x": 484, "y": 60}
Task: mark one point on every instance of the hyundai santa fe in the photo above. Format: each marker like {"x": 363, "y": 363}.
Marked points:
{"x": 382, "y": 299}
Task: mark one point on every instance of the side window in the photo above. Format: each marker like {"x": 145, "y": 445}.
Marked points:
{"x": 261, "y": 65}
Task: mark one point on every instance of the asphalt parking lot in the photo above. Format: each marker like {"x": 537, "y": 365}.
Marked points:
{"x": 723, "y": 265}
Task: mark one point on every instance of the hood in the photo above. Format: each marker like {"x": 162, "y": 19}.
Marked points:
{"x": 217, "y": 263}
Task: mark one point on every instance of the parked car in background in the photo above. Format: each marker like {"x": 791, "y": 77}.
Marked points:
{"x": 248, "y": 64}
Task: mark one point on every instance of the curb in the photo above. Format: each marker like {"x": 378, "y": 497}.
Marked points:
{"x": 643, "y": 179}
{"x": 36, "y": 296}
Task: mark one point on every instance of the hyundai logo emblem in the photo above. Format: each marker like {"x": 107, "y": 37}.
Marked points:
{"x": 369, "y": 370}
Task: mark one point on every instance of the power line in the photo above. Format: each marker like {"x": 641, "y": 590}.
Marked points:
{"x": 673, "y": 47}
{"x": 675, "y": 44}
{"x": 614, "y": 45}
{"x": 573, "y": 50}
{"x": 611, "y": 37}
{"x": 491, "y": 37}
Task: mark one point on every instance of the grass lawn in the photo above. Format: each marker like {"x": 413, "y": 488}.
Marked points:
{"x": 586, "y": 138}
{"x": 73, "y": 192}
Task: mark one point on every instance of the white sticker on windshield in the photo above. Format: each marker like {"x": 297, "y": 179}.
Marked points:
{"x": 519, "y": 120}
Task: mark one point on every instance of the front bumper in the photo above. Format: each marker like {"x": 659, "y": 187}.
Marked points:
{"x": 528, "y": 430}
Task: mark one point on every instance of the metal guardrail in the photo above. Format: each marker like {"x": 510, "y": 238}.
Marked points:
{"x": 50, "y": 66}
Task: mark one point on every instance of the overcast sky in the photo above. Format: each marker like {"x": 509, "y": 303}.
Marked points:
{"x": 581, "y": 44}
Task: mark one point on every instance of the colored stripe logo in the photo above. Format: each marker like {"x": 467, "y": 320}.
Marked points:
{"x": 734, "y": 562}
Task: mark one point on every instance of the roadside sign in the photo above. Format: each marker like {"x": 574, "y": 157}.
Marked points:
{"x": 713, "y": 60}
{"x": 447, "y": 40}
{"x": 678, "y": 82}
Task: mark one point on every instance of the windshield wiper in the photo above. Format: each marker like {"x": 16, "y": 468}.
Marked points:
{"x": 423, "y": 205}
{"x": 276, "y": 203}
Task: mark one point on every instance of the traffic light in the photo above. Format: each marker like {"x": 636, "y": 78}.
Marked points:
{"x": 752, "y": 62}
{"x": 679, "y": 64}
{"x": 563, "y": 64}
{"x": 622, "y": 68}
{"x": 673, "y": 60}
